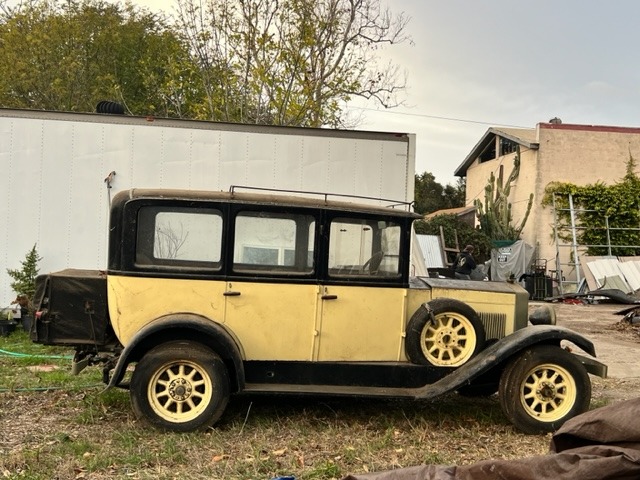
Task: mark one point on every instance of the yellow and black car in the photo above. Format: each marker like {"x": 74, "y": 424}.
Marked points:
{"x": 215, "y": 293}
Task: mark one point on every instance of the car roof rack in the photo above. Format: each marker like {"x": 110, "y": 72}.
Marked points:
{"x": 408, "y": 206}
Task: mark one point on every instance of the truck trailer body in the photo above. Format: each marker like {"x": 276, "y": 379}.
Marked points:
{"x": 61, "y": 169}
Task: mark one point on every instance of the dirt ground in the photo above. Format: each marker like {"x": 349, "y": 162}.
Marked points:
{"x": 617, "y": 344}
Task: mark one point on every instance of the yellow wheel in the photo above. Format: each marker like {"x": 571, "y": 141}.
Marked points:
{"x": 179, "y": 391}
{"x": 548, "y": 392}
{"x": 444, "y": 333}
{"x": 180, "y": 386}
{"x": 544, "y": 387}
{"x": 449, "y": 341}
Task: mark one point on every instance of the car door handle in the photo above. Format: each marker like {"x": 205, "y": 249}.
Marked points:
{"x": 231, "y": 293}
{"x": 329, "y": 297}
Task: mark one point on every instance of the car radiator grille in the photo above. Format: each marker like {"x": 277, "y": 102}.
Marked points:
{"x": 494, "y": 324}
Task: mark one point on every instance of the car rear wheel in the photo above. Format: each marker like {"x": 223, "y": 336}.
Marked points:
{"x": 180, "y": 386}
{"x": 544, "y": 387}
{"x": 447, "y": 334}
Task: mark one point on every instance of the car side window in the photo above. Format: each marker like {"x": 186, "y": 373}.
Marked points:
{"x": 189, "y": 238}
{"x": 273, "y": 242}
{"x": 364, "y": 247}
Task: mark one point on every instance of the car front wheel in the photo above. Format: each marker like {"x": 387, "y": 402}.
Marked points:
{"x": 544, "y": 387}
{"x": 180, "y": 386}
{"x": 447, "y": 334}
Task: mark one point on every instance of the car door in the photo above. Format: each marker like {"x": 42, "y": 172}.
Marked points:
{"x": 271, "y": 293}
{"x": 175, "y": 267}
{"x": 362, "y": 304}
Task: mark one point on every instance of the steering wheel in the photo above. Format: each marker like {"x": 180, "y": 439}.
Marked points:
{"x": 373, "y": 264}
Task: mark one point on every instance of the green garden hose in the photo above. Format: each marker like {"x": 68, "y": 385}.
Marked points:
{"x": 28, "y": 355}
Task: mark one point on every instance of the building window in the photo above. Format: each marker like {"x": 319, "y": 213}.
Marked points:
{"x": 507, "y": 146}
{"x": 489, "y": 153}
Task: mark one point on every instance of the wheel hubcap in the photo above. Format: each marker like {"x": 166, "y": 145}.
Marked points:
{"x": 449, "y": 341}
{"x": 548, "y": 392}
{"x": 180, "y": 391}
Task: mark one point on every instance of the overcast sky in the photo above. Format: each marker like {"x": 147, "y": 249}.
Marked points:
{"x": 507, "y": 62}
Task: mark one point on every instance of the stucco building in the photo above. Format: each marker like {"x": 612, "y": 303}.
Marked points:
{"x": 554, "y": 151}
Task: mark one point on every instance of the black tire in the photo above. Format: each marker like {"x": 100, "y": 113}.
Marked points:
{"x": 448, "y": 337}
{"x": 180, "y": 386}
{"x": 543, "y": 387}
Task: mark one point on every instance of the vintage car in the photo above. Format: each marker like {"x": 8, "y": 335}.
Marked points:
{"x": 211, "y": 294}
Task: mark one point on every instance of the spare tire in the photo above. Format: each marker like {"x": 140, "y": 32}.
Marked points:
{"x": 444, "y": 333}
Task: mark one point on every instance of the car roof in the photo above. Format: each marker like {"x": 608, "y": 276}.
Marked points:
{"x": 294, "y": 199}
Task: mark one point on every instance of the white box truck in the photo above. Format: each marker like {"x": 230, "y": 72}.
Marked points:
{"x": 60, "y": 170}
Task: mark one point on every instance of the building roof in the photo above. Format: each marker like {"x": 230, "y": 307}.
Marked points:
{"x": 527, "y": 137}
{"x": 458, "y": 211}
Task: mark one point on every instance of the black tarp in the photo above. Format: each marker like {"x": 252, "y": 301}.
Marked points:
{"x": 602, "y": 444}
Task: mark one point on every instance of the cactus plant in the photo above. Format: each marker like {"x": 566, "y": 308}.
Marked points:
{"x": 495, "y": 215}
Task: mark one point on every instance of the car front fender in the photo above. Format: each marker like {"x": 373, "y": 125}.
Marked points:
{"x": 497, "y": 354}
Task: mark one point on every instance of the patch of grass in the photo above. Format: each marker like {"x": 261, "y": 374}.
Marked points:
{"x": 326, "y": 469}
{"x": 77, "y": 431}
{"x": 25, "y": 365}
{"x": 98, "y": 402}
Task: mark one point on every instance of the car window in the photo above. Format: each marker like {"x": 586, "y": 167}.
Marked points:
{"x": 364, "y": 247}
{"x": 268, "y": 242}
{"x": 179, "y": 237}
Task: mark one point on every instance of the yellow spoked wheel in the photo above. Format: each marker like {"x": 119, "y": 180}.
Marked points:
{"x": 179, "y": 391}
{"x": 180, "y": 386}
{"x": 449, "y": 341}
{"x": 548, "y": 392}
{"x": 444, "y": 333}
{"x": 543, "y": 387}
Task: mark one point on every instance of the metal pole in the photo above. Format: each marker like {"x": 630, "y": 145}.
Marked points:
{"x": 557, "y": 240}
{"x": 575, "y": 241}
{"x": 606, "y": 223}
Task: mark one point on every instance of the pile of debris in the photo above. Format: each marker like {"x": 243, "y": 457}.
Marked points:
{"x": 611, "y": 279}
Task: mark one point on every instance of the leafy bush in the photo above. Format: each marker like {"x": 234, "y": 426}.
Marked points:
{"x": 606, "y": 215}
{"x": 453, "y": 227}
{"x": 24, "y": 279}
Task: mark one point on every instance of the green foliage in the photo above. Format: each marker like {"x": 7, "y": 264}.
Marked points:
{"x": 594, "y": 206}
{"x": 431, "y": 196}
{"x": 452, "y": 226}
{"x": 291, "y": 62}
{"x": 70, "y": 55}
{"x": 24, "y": 278}
{"x": 495, "y": 215}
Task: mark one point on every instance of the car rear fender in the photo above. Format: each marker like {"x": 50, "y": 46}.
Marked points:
{"x": 498, "y": 354}
{"x": 183, "y": 326}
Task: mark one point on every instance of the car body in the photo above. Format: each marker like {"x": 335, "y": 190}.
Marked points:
{"x": 215, "y": 293}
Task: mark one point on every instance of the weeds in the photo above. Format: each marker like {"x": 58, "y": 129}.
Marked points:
{"x": 54, "y": 425}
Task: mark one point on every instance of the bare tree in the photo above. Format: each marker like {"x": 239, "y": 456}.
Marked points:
{"x": 292, "y": 62}
{"x": 169, "y": 241}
